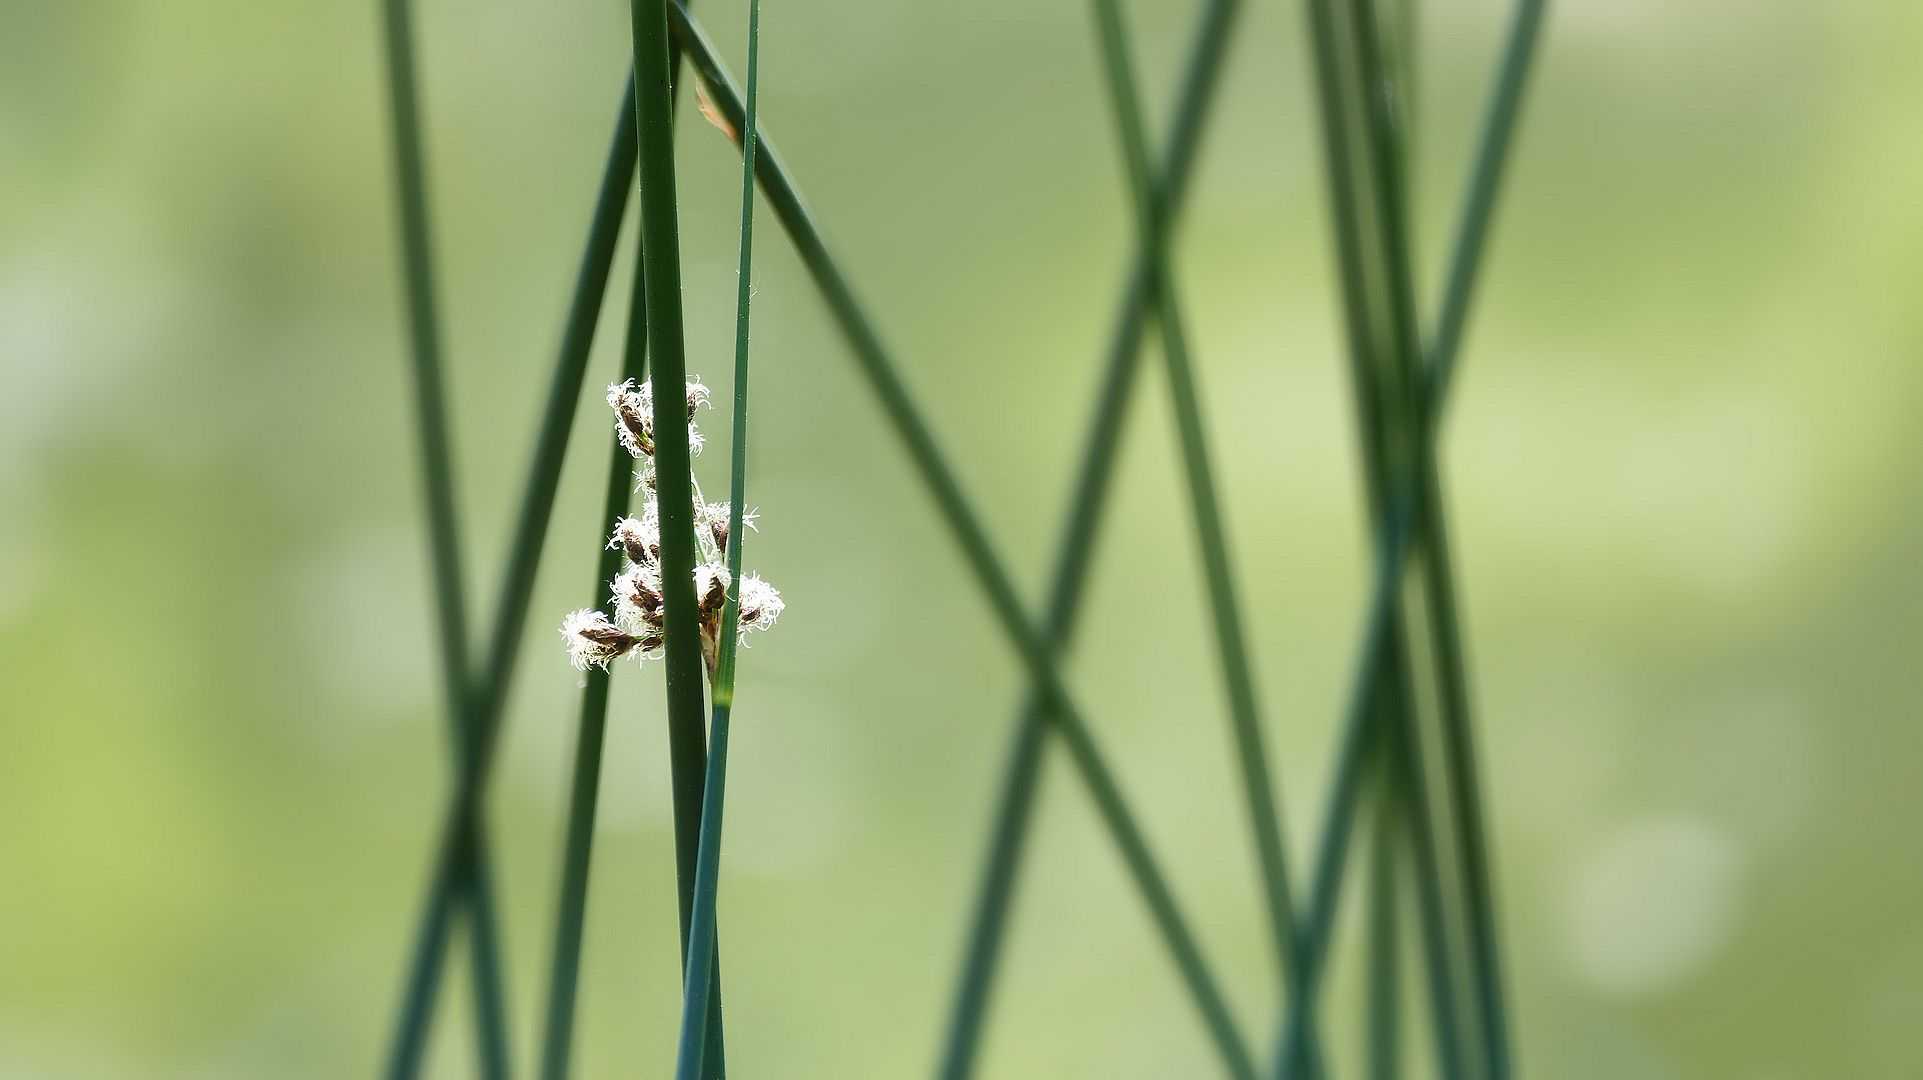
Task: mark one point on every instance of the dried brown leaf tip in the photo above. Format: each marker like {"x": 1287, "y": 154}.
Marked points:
{"x": 712, "y": 113}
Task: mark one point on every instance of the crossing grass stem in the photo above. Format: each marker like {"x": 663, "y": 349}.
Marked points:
{"x": 475, "y": 882}
{"x": 1466, "y": 256}
{"x": 1211, "y": 535}
{"x": 985, "y": 565}
{"x": 695, "y": 1011}
{"x": 1021, "y": 776}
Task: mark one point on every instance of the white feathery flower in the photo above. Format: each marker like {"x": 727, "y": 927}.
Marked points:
{"x": 697, "y": 397}
{"x": 637, "y": 599}
{"x": 761, "y": 604}
{"x": 718, "y": 519}
{"x": 593, "y": 639}
{"x": 633, "y": 405}
{"x": 711, "y": 587}
{"x": 639, "y": 538}
{"x": 639, "y": 608}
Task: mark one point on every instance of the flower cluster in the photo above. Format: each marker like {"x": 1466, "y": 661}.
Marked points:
{"x": 636, "y": 627}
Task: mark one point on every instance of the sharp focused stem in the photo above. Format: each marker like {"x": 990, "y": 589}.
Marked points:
{"x": 695, "y": 1011}
{"x": 979, "y": 554}
{"x": 460, "y": 825}
{"x": 674, "y": 483}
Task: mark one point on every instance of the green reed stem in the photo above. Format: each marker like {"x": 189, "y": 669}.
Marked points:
{"x": 1471, "y": 801}
{"x": 674, "y": 481}
{"x": 1461, "y": 786}
{"x": 1479, "y": 201}
{"x": 1022, "y": 774}
{"x": 571, "y": 910}
{"x": 1387, "y": 387}
{"x": 461, "y": 822}
{"x": 1467, "y": 250}
{"x": 1385, "y": 989}
{"x": 978, "y": 552}
{"x": 1362, "y": 731}
{"x": 694, "y": 1000}
{"x": 1387, "y": 680}
{"x": 476, "y": 882}
{"x": 1211, "y": 538}
{"x": 1404, "y": 762}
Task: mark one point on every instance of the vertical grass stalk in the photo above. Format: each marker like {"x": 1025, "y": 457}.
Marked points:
{"x": 1384, "y": 960}
{"x": 661, "y": 271}
{"x": 1467, "y": 250}
{"x": 1363, "y": 730}
{"x": 984, "y": 564}
{"x": 461, "y": 823}
{"x": 583, "y": 789}
{"x": 701, "y": 963}
{"x": 1437, "y": 574}
{"x": 1458, "y": 735}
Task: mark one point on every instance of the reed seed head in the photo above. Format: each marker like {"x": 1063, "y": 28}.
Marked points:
{"x": 593, "y": 639}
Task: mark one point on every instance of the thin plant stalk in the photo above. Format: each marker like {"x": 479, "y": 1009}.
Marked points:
{"x": 1466, "y": 258}
{"x": 1211, "y": 536}
{"x": 476, "y": 883}
{"x": 1362, "y": 730}
{"x": 1437, "y": 578}
{"x": 701, "y": 963}
{"x": 1383, "y": 369}
{"x": 1458, "y": 736}
{"x": 583, "y": 788}
{"x": 1021, "y": 777}
{"x": 979, "y": 554}
{"x": 1343, "y": 90}
{"x": 461, "y": 823}
{"x": 571, "y": 911}
{"x": 1384, "y": 960}
{"x": 674, "y": 481}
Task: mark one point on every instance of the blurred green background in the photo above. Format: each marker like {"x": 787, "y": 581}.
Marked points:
{"x": 1680, "y": 458}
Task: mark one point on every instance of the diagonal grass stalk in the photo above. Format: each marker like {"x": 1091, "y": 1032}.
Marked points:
{"x": 701, "y": 963}
{"x": 674, "y": 481}
{"x": 1466, "y": 257}
{"x": 978, "y": 552}
{"x": 1438, "y": 581}
{"x": 1458, "y": 735}
{"x": 476, "y": 882}
{"x": 1377, "y": 361}
{"x": 1022, "y": 774}
{"x": 1362, "y": 730}
{"x": 583, "y": 788}
{"x": 1237, "y": 674}
{"x": 1384, "y": 960}
{"x": 565, "y": 964}
{"x": 459, "y": 826}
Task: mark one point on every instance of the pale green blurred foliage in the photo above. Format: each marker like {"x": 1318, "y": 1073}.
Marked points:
{"x": 1681, "y": 460}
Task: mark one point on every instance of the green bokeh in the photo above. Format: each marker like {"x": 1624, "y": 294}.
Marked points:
{"x": 1681, "y": 465}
